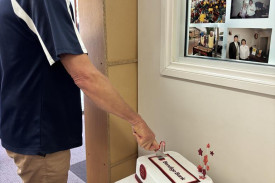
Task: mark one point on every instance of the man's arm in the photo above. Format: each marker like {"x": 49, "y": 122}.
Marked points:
{"x": 99, "y": 89}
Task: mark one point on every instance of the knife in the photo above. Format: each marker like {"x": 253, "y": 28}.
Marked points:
{"x": 160, "y": 152}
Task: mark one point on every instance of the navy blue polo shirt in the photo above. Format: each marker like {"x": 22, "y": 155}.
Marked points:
{"x": 40, "y": 108}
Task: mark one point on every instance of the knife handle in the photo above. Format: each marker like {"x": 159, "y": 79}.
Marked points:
{"x": 162, "y": 146}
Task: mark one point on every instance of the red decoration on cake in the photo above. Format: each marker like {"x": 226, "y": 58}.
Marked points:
{"x": 142, "y": 171}
{"x": 205, "y": 162}
{"x": 212, "y": 153}
{"x": 200, "y": 168}
{"x": 200, "y": 152}
{"x": 202, "y": 177}
{"x": 204, "y": 172}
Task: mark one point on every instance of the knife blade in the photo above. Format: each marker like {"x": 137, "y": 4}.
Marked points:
{"x": 160, "y": 155}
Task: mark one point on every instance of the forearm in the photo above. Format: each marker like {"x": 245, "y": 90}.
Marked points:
{"x": 98, "y": 88}
{"x": 104, "y": 95}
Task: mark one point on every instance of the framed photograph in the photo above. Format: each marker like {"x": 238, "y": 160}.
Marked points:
{"x": 250, "y": 9}
{"x": 212, "y": 29}
{"x": 186, "y": 52}
{"x": 249, "y": 44}
{"x": 208, "y": 11}
{"x": 205, "y": 41}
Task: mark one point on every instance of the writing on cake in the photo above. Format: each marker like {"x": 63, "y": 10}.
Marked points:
{"x": 172, "y": 169}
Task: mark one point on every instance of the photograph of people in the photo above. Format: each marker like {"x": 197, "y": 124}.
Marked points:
{"x": 244, "y": 50}
{"x": 205, "y": 41}
{"x": 234, "y": 48}
{"x": 211, "y": 40}
{"x": 208, "y": 11}
{"x": 243, "y": 12}
{"x": 250, "y": 9}
{"x": 254, "y": 45}
{"x": 202, "y": 39}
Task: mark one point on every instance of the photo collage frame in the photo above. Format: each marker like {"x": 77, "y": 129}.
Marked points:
{"x": 232, "y": 30}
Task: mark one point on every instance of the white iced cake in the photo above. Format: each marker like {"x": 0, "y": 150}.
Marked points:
{"x": 173, "y": 168}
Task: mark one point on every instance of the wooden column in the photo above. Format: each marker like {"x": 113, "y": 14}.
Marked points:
{"x": 109, "y": 31}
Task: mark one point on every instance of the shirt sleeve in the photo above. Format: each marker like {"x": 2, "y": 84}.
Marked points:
{"x": 53, "y": 23}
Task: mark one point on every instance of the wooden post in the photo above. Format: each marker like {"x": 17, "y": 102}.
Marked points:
{"x": 111, "y": 149}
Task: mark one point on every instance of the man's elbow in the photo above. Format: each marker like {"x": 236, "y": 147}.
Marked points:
{"x": 84, "y": 80}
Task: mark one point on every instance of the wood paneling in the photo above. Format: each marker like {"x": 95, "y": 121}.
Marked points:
{"x": 110, "y": 145}
{"x": 121, "y": 23}
{"x": 124, "y": 79}
{"x": 123, "y": 170}
{"x": 96, "y": 121}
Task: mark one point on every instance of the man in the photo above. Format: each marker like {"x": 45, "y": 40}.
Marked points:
{"x": 211, "y": 40}
{"x": 202, "y": 39}
{"x": 43, "y": 63}
{"x": 234, "y": 48}
{"x": 251, "y": 9}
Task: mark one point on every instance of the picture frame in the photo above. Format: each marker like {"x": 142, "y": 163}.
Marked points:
{"x": 244, "y": 28}
{"x": 243, "y": 75}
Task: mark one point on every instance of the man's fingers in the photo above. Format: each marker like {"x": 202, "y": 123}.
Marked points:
{"x": 155, "y": 145}
{"x": 145, "y": 137}
{"x": 136, "y": 135}
{"x": 133, "y": 129}
{"x": 140, "y": 142}
{"x": 152, "y": 148}
{"x": 144, "y": 144}
{"x": 147, "y": 147}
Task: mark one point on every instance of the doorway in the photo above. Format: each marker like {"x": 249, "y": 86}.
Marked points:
{"x": 263, "y": 44}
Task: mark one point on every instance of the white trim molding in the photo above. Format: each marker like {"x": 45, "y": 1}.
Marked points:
{"x": 249, "y": 77}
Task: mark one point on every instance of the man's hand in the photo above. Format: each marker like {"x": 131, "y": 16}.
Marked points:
{"x": 145, "y": 137}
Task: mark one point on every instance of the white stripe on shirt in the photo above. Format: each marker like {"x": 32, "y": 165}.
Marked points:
{"x": 75, "y": 28}
{"x": 18, "y": 10}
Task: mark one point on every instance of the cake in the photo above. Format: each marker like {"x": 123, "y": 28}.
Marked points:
{"x": 172, "y": 168}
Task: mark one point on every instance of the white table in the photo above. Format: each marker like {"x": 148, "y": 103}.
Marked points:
{"x": 130, "y": 179}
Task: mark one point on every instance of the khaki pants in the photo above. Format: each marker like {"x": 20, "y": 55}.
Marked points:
{"x": 53, "y": 168}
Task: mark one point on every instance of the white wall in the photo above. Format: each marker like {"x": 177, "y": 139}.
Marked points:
{"x": 239, "y": 125}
